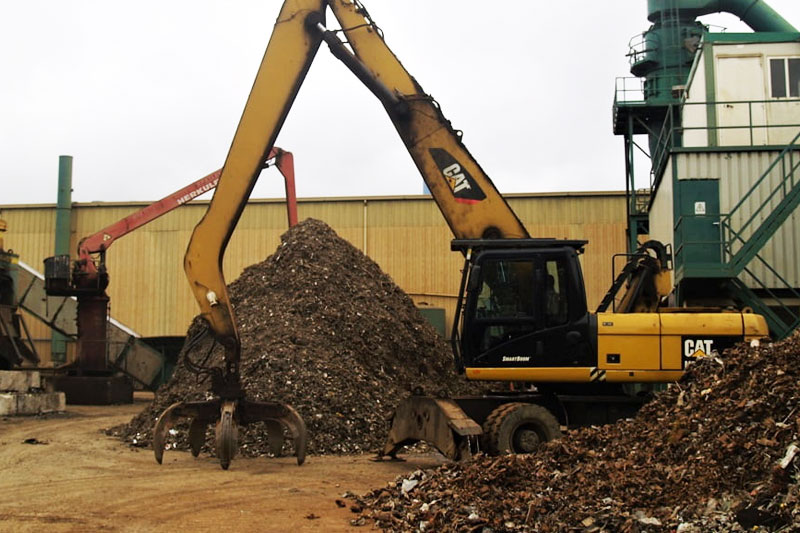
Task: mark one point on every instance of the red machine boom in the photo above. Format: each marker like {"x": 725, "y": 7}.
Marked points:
{"x": 99, "y": 242}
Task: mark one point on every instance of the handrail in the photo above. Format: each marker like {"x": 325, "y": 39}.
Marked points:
{"x": 789, "y": 147}
{"x": 670, "y": 131}
{"x": 664, "y": 144}
{"x": 789, "y": 199}
{"x": 777, "y": 324}
{"x": 627, "y": 85}
{"x": 781, "y": 326}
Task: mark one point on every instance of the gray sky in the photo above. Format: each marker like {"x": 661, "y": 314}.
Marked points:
{"x": 146, "y": 95}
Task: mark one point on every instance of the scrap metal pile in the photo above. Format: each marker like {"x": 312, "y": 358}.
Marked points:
{"x": 716, "y": 452}
{"x": 324, "y": 330}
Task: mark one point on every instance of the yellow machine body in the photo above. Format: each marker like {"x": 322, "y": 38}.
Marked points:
{"x": 641, "y": 348}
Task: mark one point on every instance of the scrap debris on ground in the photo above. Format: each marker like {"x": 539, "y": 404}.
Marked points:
{"x": 324, "y": 330}
{"x": 716, "y": 452}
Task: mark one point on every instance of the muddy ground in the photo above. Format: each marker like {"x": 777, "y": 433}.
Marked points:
{"x": 60, "y": 473}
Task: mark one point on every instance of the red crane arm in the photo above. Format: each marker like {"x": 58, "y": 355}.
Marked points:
{"x": 285, "y": 162}
{"x": 100, "y": 241}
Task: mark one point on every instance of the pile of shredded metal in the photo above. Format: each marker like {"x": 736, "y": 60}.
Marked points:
{"x": 716, "y": 452}
{"x": 324, "y": 330}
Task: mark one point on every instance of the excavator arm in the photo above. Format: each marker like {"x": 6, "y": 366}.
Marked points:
{"x": 463, "y": 192}
{"x": 467, "y": 198}
{"x": 289, "y": 54}
{"x": 564, "y": 338}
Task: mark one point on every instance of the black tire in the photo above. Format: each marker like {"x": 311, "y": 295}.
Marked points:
{"x": 518, "y": 428}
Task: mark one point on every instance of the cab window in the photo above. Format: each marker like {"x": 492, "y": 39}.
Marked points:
{"x": 506, "y": 303}
{"x": 506, "y": 290}
{"x": 556, "y": 298}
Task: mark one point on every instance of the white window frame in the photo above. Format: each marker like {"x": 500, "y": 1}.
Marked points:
{"x": 786, "y": 77}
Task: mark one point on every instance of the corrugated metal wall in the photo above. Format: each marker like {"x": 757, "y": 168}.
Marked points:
{"x": 737, "y": 172}
{"x": 406, "y": 236}
{"x": 31, "y": 235}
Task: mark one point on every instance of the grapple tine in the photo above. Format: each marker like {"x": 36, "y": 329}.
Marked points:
{"x": 197, "y": 435}
{"x": 284, "y": 415}
{"x": 163, "y": 424}
{"x": 200, "y": 413}
{"x": 227, "y": 434}
{"x": 274, "y": 436}
{"x": 297, "y": 428}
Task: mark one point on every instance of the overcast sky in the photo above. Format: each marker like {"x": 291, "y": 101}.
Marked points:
{"x": 146, "y": 95}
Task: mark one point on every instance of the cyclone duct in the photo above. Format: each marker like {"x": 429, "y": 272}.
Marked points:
{"x": 755, "y": 13}
{"x": 665, "y": 53}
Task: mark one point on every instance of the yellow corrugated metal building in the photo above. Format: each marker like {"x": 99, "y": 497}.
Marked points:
{"x": 406, "y": 236}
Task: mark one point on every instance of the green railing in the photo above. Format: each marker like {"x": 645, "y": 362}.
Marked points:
{"x": 629, "y": 90}
{"x": 741, "y": 244}
{"x": 780, "y": 324}
{"x": 706, "y": 258}
{"x": 743, "y": 231}
{"x": 673, "y": 133}
{"x": 668, "y": 138}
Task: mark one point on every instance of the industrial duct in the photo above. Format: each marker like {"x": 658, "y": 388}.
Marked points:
{"x": 755, "y": 13}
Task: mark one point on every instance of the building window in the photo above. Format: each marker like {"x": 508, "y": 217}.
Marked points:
{"x": 785, "y": 77}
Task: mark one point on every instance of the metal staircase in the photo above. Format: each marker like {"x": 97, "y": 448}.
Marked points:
{"x": 743, "y": 237}
{"x": 740, "y": 246}
{"x": 779, "y": 325}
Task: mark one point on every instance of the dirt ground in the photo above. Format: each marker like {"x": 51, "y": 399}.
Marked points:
{"x": 72, "y": 478}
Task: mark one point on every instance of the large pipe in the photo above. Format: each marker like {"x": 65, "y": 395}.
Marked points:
{"x": 755, "y": 13}
{"x": 64, "y": 204}
{"x": 58, "y": 345}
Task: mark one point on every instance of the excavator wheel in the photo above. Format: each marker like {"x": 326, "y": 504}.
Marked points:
{"x": 518, "y": 428}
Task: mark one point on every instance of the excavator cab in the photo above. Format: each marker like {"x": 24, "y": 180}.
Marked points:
{"x": 522, "y": 303}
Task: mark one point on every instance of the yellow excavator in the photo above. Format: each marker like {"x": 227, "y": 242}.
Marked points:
{"x": 522, "y": 315}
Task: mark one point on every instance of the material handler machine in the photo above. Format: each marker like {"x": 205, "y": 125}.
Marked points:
{"x": 522, "y": 314}
{"x": 91, "y": 378}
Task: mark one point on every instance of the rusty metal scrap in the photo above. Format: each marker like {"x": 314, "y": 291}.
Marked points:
{"x": 715, "y": 452}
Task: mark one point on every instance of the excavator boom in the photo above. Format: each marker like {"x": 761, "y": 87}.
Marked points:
{"x": 525, "y": 316}
{"x": 466, "y": 196}
{"x": 468, "y": 199}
